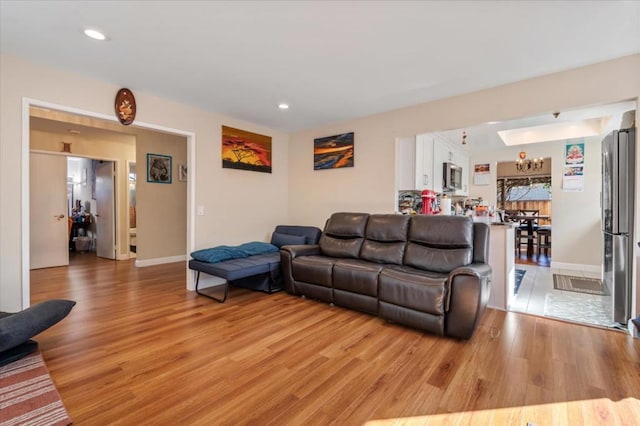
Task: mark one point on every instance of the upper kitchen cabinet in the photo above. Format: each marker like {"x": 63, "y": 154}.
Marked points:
{"x": 419, "y": 163}
{"x": 445, "y": 152}
{"x": 424, "y": 162}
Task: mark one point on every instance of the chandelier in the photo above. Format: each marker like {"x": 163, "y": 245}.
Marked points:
{"x": 524, "y": 164}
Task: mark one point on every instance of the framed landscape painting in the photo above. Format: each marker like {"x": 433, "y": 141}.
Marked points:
{"x": 158, "y": 168}
{"x": 245, "y": 150}
{"x": 333, "y": 152}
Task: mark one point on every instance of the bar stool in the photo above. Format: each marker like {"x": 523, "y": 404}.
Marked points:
{"x": 543, "y": 235}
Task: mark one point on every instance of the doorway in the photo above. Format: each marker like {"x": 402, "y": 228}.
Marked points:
{"x": 526, "y": 199}
{"x": 102, "y": 121}
{"x": 92, "y": 214}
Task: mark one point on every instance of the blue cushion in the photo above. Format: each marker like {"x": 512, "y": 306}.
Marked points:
{"x": 257, "y": 247}
{"x": 280, "y": 239}
{"x": 17, "y": 328}
{"x": 218, "y": 254}
{"x": 235, "y": 269}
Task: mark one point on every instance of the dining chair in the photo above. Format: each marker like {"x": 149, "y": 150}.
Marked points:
{"x": 534, "y": 213}
{"x": 543, "y": 239}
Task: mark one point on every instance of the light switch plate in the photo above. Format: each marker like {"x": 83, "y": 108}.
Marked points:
{"x": 200, "y": 211}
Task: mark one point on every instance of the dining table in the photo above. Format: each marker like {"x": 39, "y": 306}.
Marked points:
{"x": 529, "y": 220}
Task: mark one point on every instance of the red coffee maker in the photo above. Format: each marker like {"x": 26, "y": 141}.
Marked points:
{"x": 429, "y": 201}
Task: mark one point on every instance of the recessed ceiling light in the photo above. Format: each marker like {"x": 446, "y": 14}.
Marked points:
{"x": 95, "y": 34}
{"x": 283, "y": 106}
{"x": 74, "y": 131}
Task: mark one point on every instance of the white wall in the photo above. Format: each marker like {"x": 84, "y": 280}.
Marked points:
{"x": 575, "y": 216}
{"x": 239, "y": 205}
{"x": 369, "y": 186}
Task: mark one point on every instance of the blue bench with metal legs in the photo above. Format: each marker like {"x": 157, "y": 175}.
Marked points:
{"x": 260, "y": 272}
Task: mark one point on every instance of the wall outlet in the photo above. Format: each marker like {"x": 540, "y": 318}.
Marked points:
{"x": 200, "y": 211}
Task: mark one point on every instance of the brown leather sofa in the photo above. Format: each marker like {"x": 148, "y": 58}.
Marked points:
{"x": 426, "y": 272}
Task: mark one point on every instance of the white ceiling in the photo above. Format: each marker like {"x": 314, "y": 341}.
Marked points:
{"x": 543, "y": 128}
{"x": 331, "y": 61}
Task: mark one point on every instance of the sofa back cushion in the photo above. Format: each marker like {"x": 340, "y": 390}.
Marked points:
{"x": 385, "y": 238}
{"x": 439, "y": 243}
{"x": 311, "y": 234}
{"x": 343, "y": 235}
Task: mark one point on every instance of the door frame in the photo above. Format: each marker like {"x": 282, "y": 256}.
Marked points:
{"x": 27, "y": 103}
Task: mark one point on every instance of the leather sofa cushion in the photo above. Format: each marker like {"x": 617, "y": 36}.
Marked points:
{"x": 439, "y": 245}
{"x": 386, "y": 238}
{"x": 346, "y": 225}
{"x": 343, "y": 235}
{"x": 316, "y": 270}
{"x": 357, "y": 276}
{"x": 413, "y": 288}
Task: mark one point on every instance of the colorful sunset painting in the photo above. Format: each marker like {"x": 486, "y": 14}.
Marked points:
{"x": 333, "y": 152}
{"x": 245, "y": 150}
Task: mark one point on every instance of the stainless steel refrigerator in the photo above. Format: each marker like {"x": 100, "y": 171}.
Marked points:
{"x": 618, "y": 168}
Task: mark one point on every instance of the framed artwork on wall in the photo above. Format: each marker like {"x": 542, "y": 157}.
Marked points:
{"x": 333, "y": 152}
{"x": 182, "y": 172}
{"x": 158, "y": 168}
{"x": 245, "y": 150}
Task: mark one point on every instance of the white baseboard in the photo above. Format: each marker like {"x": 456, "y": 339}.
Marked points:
{"x": 160, "y": 260}
{"x": 576, "y": 267}
{"x": 126, "y": 256}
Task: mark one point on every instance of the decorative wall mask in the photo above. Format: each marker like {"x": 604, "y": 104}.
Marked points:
{"x": 125, "y": 106}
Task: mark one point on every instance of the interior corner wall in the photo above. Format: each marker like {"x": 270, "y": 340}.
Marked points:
{"x": 238, "y": 205}
{"x": 161, "y": 212}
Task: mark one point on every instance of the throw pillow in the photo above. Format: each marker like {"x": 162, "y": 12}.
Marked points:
{"x": 218, "y": 254}
{"x": 279, "y": 239}
{"x": 257, "y": 247}
{"x": 17, "y": 328}
{"x": 19, "y": 352}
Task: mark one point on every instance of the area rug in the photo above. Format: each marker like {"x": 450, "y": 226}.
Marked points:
{"x": 578, "y": 284}
{"x": 28, "y": 395}
{"x": 578, "y": 307}
{"x": 519, "y": 277}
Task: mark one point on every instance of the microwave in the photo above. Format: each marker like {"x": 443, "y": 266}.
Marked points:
{"x": 452, "y": 177}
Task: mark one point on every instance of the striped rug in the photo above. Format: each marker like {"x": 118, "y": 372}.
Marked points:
{"x": 28, "y": 395}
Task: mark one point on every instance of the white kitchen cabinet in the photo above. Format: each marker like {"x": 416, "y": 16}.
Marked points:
{"x": 424, "y": 162}
{"x": 430, "y": 155}
{"x": 442, "y": 153}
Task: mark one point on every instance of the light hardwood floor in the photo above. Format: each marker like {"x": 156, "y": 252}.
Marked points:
{"x": 138, "y": 349}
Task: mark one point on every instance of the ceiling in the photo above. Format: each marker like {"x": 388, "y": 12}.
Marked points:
{"x": 331, "y": 61}
{"x": 542, "y": 128}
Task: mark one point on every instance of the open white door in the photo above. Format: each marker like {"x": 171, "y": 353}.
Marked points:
{"x": 105, "y": 215}
{"x": 49, "y": 227}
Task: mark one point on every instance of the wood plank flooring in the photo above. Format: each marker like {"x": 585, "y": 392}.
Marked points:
{"x": 138, "y": 349}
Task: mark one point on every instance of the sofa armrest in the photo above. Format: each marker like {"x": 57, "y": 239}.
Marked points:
{"x": 287, "y": 254}
{"x": 467, "y": 297}
{"x": 301, "y": 250}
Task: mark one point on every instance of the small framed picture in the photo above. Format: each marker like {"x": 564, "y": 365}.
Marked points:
{"x": 158, "y": 168}
{"x": 182, "y": 172}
